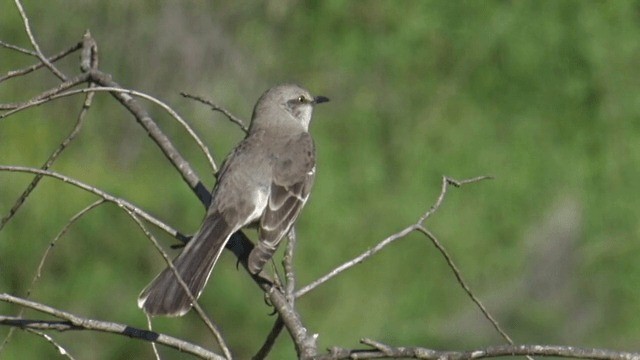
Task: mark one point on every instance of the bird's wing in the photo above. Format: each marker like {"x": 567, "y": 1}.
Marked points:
{"x": 293, "y": 176}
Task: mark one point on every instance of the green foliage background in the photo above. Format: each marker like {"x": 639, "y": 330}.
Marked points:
{"x": 543, "y": 95}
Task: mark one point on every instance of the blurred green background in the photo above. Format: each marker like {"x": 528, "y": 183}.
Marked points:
{"x": 543, "y": 95}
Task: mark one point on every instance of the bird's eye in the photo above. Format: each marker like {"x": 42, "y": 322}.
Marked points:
{"x": 301, "y": 99}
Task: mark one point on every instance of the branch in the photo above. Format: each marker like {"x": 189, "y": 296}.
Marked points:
{"x": 141, "y": 115}
{"x": 35, "y": 45}
{"x": 36, "y": 66}
{"x": 44, "y": 96}
{"x": 52, "y": 158}
{"x": 118, "y": 201}
{"x": 74, "y": 322}
{"x": 388, "y": 352}
{"x": 50, "y": 340}
{"x": 214, "y": 107}
{"x": 45, "y": 255}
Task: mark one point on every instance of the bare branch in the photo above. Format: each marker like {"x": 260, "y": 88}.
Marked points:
{"x": 44, "y": 96}
{"x": 144, "y": 119}
{"x": 19, "y": 49}
{"x": 74, "y": 322}
{"x": 446, "y": 181}
{"x": 35, "y": 45}
{"x": 107, "y": 197}
{"x": 52, "y": 158}
{"x": 36, "y": 66}
{"x": 163, "y": 105}
{"x": 270, "y": 340}
{"x": 50, "y": 340}
{"x": 38, "y": 274}
{"x": 463, "y": 284}
{"x": 305, "y": 343}
{"x": 381, "y": 351}
{"x": 382, "y": 244}
{"x": 234, "y": 119}
{"x": 287, "y": 264}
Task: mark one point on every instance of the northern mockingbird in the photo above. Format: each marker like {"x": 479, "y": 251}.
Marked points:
{"x": 265, "y": 181}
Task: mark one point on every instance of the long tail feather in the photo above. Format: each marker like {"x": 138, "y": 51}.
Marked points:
{"x": 165, "y": 295}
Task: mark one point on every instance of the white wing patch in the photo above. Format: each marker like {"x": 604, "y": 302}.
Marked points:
{"x": 260, "y": 201}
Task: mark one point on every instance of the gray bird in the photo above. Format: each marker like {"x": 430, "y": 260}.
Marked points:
{"x": 264, "y": 182}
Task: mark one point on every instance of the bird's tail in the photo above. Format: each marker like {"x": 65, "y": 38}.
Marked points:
{"x": 165, "y": 295}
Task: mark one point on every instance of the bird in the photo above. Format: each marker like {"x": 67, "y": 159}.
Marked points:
{"x": 264, "y": 182}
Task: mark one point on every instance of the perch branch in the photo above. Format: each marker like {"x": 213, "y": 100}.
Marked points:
{"x": 74, "y": 322}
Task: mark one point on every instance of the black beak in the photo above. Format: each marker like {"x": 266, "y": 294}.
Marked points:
{"x": 320, "y": 99}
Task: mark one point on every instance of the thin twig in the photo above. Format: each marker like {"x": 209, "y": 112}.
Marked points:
{"x": 355, "y": 261}
{"x": 44, "y": 96}
{"x": 19, "y": 49}
{"x": 35, "y": 45}
{"x": 189, "y": 175}
{"x": 52, "y": 158}
{"x": 381, "y": 350}
{"x": 153, "y": 345}
{"x": 399, "y": 235}
{"x": 196, "y": 306}
{"x": 463, "y": 284}
{"x": 107, "y": 197}
{"x": 214, "y": 107}
{"x": 264, "y": 350}
{"x": 45, "y": 255}
{"x": 154, "y": 100}
{"x": 60, "y": 234}
{"x": 38, "y": 65}
{"x": 51, "y": 341}
{"x": 75, "y": 322}
{"x": 289, "y": 291}
{"x": 57, "y": 93}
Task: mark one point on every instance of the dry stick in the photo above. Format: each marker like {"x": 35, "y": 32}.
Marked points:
{"x": 389, "y": 352}
{"x": 464, "y": 285}
{"x": 401, "y": 234}
{"x": 188, "y": 174}
{"x": 43, "y": 97}
{"x": 45, "y": 255}
{"x": 50, "y": 340}
{"x": 214, "y": 107}
{"x": 382, "y": 244}
{"x": 36, "y": 66}
{"x": 420, "y": 227}
{"x": 53, "y": 95}
{"x": 52, "y": 158}
{"x": 212, "y": 327}
{"x": 305, "y": 343}
{"x": 19, "y": 49}
{"x": 163, "y": 105}
{"x": 287, "y": 264}
{"x": 35, "y": 45}
{"x": 107, "y": 197}
{"x": 74, "y": 322}
{"x": 153, "y": 344}
{"x": 270, "y": 340}
{"x": 80, "y": 120}
{"x": 62, "y": 232}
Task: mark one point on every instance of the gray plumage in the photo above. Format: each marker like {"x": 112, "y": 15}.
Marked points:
{"x": 265, "y": 181}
